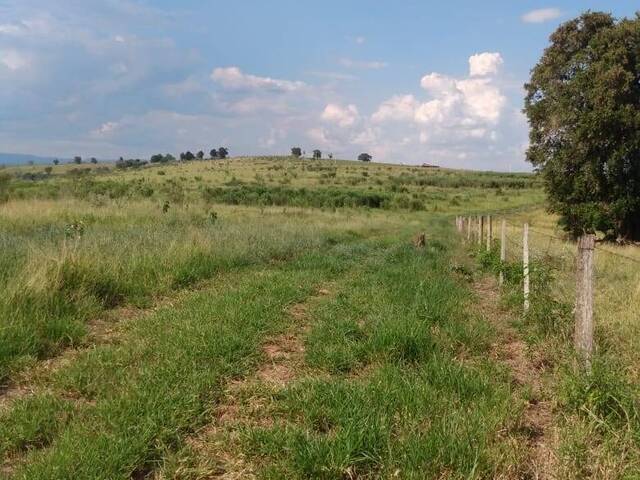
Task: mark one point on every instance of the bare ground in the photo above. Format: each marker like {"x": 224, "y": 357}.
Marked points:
{"x": 527, "y": 369}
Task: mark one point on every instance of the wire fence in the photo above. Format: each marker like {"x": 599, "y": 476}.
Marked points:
{"x": 574, "y": 262}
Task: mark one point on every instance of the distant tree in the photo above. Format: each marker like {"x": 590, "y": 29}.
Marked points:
{"x": 48, "y": 170}
{"x": 157, "y": 158}
{"x": 331, "y": 156}
{"x": 296, "y": 152}
{"x": 364, "y": 157}
{"x": 583, "y": 107}
{"x": 182, "y": 156}
{"x": 94, "y": 160}
{"x": 30, "y": 162}
{"x": 223, "y": 153}
{"x": 213, "y": 153}
{"x": 200, "y": 155}
{"x": 317, "y": 154}
{"x": 169, "y": 158}
{"x": 56, "y": 161}
{"x": 189, "y": 156}
{"x": 77, "y": 159}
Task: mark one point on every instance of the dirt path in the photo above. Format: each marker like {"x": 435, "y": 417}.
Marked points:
{"x": 245, "y": 401}
{"x": 527, "y": 369}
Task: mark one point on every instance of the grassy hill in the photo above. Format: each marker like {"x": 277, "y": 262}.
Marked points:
{"x": 271, "y": 318}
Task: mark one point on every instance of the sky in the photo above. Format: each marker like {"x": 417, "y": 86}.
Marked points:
{"x": 407, "y": 81}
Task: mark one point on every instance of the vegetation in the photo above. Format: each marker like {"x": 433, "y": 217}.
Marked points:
{"x": 271, "y": 317}
{"x": 582, "y": 103}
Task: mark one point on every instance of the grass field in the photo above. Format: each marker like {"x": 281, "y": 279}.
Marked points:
{"x": 270, "y": 318}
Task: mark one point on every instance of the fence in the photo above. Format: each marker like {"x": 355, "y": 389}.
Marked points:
{"x": 479, "y": 230}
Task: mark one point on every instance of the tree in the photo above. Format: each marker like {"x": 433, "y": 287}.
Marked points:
{"x": 56, "y": 161}
{"x": 213, "y": 153}
{"x": 317, "y": 154}
{"x": 364, "y": 157}
{"x": 330, "y": 156}
{"x": 94, "y": 160}
{"x": 296, "y": 152}
{"x": 200, "y": 155}
{"x": 157, "y": 158}
{"x": 48, "y": 170}
{"x": 189, "y": 156}
{"x": 168, "y": 158}
{"x": 222, "y": 153}
{"x": 77, "y": 159}
{"x": 583, "y": 106}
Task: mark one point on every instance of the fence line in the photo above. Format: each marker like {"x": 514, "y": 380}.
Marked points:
{"x": 584, "y": 257}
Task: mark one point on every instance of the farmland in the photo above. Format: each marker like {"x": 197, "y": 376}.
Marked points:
{"x": 271, "y": 318}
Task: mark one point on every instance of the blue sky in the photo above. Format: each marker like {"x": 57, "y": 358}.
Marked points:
{"x": 407, "y": 81}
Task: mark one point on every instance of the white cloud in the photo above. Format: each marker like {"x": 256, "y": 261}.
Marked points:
{"x": 370, "y": 65}
{"x": 482, "y": 64}
{"x": 360, "y": 40}
{"x": 13, "y": 60}
{"x": 234, "y": 78}
{"x": 342, "y": 116}
{"x": 105, "y": 129}
{"x": 397, "y": 108}
{"x": 541, "y": 15}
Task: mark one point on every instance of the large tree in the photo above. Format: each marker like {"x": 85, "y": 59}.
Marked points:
{"x": 583, "y": 106}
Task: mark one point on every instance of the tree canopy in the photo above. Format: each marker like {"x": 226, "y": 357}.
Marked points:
{"x": 364, "y": 157}
{"x": 296, "y": 152}
{"x": 583, "y": 107}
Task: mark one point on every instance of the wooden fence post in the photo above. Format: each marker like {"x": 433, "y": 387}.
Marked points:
{"x": 583, "y": 338}
{"x": 503, "y": 249}
{"x": 480, "y": 229}
{"x": 468, "y": 229}
{"x": 525, "y": 265}
{"x": 489, "y": 233}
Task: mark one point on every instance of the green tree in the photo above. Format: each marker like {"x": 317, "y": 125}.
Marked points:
{"x": 56, "y": 161}
{"x": 364, "y": 157}
{"x": 157, "y": 158}
{"x": 200, "y": 155}
{"x": 189, "y": 156}
{"x": 77, "y": 159}
{"x": 94, "y": 160}
{"x": 222, "y": 153}
{"x": 213, "y": 153}
{"x": 296, "y": 152}
{"x": 317, "y": 154}
{"x": 583, "y": 106}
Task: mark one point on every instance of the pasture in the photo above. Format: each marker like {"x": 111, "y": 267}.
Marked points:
{"x": 271, "y": 318}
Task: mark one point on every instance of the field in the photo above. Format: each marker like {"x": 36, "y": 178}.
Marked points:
{"x": 271, "y": 318}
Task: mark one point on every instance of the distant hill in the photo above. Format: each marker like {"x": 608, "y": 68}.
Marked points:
{"x": 22, "y": 159}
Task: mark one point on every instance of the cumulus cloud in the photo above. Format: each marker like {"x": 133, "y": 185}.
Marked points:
{"x": 105, "y": 129}
{"x": 234, "y": 78}
{"x": 342, "y": 116}
{"x": 364, "y": 64}
{"x": 482, "y": 64}
{"x": 396, "y": 108}
{"x": 13, "y": 60}
{"x": 541, "y": 15}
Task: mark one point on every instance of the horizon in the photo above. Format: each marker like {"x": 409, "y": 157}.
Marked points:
{"x": 131, "y": 78}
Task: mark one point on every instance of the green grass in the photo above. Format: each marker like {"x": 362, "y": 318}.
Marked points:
{"x": 397, "y": 401}
{"x": 135, "y": 299}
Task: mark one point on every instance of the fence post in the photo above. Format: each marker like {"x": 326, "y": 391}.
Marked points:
{"x": 480, "y": 229}
{"x": 525, "y": 265}
{"x": 583, "y": 338}
{"x": 468, "y": 229}
{"x": 503, "y": 249}
{"x": 489, "y": 233}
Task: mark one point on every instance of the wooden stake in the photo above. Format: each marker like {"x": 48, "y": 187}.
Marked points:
{"x": 503, "y": 250}
{"x": 489, "y": 233}
{"x": 468, "y": 229}
{"x": 480, "y": 228}
{"x": 525, "y": 265}
{"x": 583, "y": 338}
